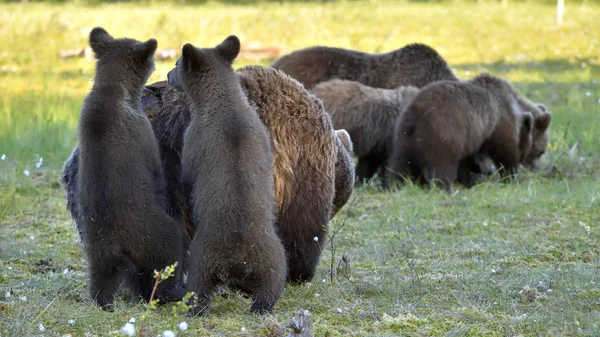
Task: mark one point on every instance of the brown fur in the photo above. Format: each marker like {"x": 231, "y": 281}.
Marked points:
{"x": 227, "y": 178}
{"x": 170, "y": 113}
{"x": 304, "y": 147}
{"x": 412, "y": 65}
{"x": 449, "y": 122}
{"x": 124, "y": 226}
{"x": 541, "y": 130}
{"x": 369, "y": 115}
{"x": 344, "y": 171}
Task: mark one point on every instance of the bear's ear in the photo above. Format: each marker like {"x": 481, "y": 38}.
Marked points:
{"x": 230, "y": 48}
{"x": 541, "y": 107}
{"x": 345, "y": 139}
{"x": 543, "y": 121}
{"x": 100, "y": 41}
{"x": 527, "y": 121}
{"x": 146, "y": 50}
{"x": 190, "y": 57}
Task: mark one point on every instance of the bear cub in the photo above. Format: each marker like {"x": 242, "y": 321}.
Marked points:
{"x": 448, "y": 123}
{"x": 121, "y": 188}
{"x": 227, "y": 176}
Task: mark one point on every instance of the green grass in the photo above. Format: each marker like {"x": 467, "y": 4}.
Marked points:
{"x": 496, "y": 260}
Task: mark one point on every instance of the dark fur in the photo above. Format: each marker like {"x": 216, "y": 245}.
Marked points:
{"x": 412, "y": 65}
{"x": 541, "y": 130}
{"x": 227, "y": 176}
{"x": 173, "y": 116}
{"x": 127, "y": 233}
{"x": 369, "y": 115}
{"x": 449, "y": 122}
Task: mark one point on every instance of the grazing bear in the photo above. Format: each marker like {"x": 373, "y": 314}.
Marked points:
{"x": 304, "y": 145}
{"x": 126, "y": 232}
{"x": 412, "y": 65}
{"x": 227, "y": 176}
{"x": 369, "y": 115}
{"x": 541, "y": 132}
{"x": 448, "y": 123}
{"x": 344, "y": 171}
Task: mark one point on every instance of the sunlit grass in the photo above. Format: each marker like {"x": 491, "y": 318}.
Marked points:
{"x": 422, "y": 263}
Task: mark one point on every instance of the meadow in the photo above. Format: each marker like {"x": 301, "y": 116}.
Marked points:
{"x": 501, "y": 259}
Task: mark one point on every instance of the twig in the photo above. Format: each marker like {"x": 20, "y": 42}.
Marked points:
{"x": 158, "y": 281}
{"x": 349, "y": 209}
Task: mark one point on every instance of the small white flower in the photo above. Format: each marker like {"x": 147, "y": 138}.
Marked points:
{"x": 31, "y": 237}
{"x": 128, "y": 329}
{"x": 493, "y": 270}
{"x": 168, "y": 333}
{"x": 376, "y": 278}
{"x": 317, "y": 295}
{"x": 23, "y": 298}
{"x": 324, "y": 281}
{"x": 316, "y": 239}
{"x": 588, "y": 94}
{"x": 243, "y": 329}
{"x": 71, "y": 321}
{"x": 8, "y": 294}
{"x": 9, "y": 268}
{"x": 132, "y": 320}
{"x": 26, "y": 172}
{"x": 339, "y": 310}
{"x": 549, "y": 291}
{"x": 42, "y": 327}
{"x": 3, "y": 157}
{"x": 38, "y": 165}
{"x": 66, "y": 271}
{"x": 182, "y": 326}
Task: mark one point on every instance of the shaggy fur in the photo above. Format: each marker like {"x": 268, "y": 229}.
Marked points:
{"x": 369, "y": 115}
{"x": 305, "y": 151}
{"x": 412, "y": 65}
{"x": 227, "y": 177}
{"x": 449, "y": 122}
{"x": 124, "y": 226}
{"x": 344, "y": 171}
{"x": 174, "y": 114}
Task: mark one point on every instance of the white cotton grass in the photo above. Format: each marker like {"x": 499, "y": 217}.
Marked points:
{"x": 168, "y": 333}
{"x": 128, "y": 329}
{"x": 316, "y": 239}
{"x": 41, "y": 327}
{"x": 39, "y": 163}
{"x": 3, "y": 156}
{"x": 183, "y": 326}
{"x": 26, "y": 172}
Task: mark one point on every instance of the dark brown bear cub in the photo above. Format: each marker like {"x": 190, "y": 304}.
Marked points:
{"x": 228, "y": 176}
{"x": 448, "y": 123}
{"x": 126, "y": 232}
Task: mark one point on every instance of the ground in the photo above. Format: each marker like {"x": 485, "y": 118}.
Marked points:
{"x": 501, "y": 259}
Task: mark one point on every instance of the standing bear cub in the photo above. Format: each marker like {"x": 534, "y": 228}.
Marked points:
{"x": 227, "y": 177}
{"x": 126, "y": 232}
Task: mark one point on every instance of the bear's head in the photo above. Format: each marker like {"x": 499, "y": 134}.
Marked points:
{"x": 541, "y": 135}
{"x": 204, "y": 66}
{"x": 126, "y": 61}
{"x": 525, "y": 134}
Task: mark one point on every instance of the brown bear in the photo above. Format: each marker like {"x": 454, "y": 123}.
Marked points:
{"x": 227, "y": 176}
{"x": 126, "y": 232}
{"x": 369, "y": 115}
{"x": 305, "y": 150}
{"x": 541, "y": 132}
{"x": 450, "y": 122}
{"x": 412, "y": 65}
{"x": 170, "y": 120}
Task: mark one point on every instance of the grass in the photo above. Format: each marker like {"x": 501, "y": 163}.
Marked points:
{"x": 496, "y": 260}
